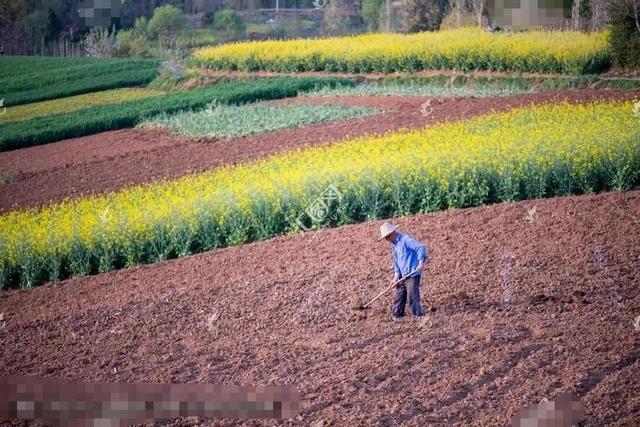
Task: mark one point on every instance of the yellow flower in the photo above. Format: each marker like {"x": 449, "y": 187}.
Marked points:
{"x": 455, "y": 164}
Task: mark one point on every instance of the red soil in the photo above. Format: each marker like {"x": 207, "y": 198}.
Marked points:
{"x": 113, "y": 160}
{"x": 284, "y": 317}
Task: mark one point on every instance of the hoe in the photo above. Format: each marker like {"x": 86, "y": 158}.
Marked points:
{"x": 394, "y": 284}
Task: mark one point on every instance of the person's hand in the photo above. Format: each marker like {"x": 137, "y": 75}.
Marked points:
{"x": 422, "y": 266}
{"x": 393, "y": 281}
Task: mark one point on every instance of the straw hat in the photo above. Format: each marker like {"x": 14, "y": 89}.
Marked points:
{"x": 386, "y": 229}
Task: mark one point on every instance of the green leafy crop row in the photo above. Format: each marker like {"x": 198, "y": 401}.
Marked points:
{"x": 42, "y": 130}
{"x": 30, "y": 79}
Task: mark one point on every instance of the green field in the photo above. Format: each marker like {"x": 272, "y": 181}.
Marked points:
{"x": 26, "y": 79}
{"x": 42, "y": 130}
{"x": 469, "y": 85}
{"x": 219, "y": 120}
{"x": 74, "y": 103}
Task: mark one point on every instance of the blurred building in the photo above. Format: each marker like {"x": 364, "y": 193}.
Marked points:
{"x": 528, "y": 14}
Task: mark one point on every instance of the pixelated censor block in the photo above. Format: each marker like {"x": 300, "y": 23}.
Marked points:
{"x": 99, "y": 12}
{"x": 565, "y": 409}
{"x": 64, "y": 403}
{"x": 523, "y": 14}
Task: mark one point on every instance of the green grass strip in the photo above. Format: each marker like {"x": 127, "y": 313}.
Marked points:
{"x": 515, "y": 83}
{"x": 415, "y": 89}
{"x": 74, "y": 103}
{"x": 42, "y": 130}
{"x": 33, "y": 79}
{"x": 480, "y": 86}
{"x": 13, "y": 66}
{"x": 219, "y": 120}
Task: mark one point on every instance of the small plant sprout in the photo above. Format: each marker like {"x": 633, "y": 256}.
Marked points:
{"x": 616, "y": 293}
{"x": 5, "y": 178}
{"x": 506, "y": 279}
{"x": 212, "y": 321}
{"x": 532, "y": 214}
{"x": 426, "y": 109}
{"x": 425, "y": 322}
{"x": 212, "y": 107}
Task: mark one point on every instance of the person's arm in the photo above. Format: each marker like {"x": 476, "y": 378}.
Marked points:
{"x": 420, "y": 249}
{"x": 396, "y": 268}
{"x": 422, "y": 264}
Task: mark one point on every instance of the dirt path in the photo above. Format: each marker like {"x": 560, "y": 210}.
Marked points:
{"x": 113, "y": 160}
{"x": 281, "y": 316}
{"x": 609, "y": 75}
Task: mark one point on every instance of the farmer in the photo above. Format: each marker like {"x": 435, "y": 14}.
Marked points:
{"x": 409, "y": 260}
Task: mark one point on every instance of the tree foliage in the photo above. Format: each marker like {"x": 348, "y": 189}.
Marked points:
{"x": 334, "y": 21}
{"x": 229, "y": 25}
{"x": 166, "y": 21}
{"x": 13, "y": 9}
{"x": 371, "y": 10}
{"x": 100, "y": 42}
{"x": 424, "y": 15}
{"x": 625, "y": 33}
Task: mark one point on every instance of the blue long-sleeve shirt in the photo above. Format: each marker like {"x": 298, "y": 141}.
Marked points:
{"x": 407, "y": 252}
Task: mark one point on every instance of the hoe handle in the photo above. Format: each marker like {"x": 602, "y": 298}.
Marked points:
{"x": 389, "y": 288}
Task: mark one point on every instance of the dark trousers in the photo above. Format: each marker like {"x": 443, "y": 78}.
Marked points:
{"x": 410, "y": 289}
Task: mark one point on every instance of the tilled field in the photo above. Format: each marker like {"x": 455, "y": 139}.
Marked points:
{"x": 278, "y": 312}
{"x": 113, "y": 160}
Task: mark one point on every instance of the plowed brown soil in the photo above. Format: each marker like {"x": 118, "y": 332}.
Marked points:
{"x": 113, "y": 160}
{"x": 281, "y": 316}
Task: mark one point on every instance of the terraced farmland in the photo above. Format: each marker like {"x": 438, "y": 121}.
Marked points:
{"x": 221, "y": 230}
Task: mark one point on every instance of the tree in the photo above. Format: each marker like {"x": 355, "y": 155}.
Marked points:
{"x": 424, "y": 15}
{"x": 178, "y": 4}
{"x": 165, "y": 23}
{"x": 371, "y": 11}
{"x": 230, "y": 4}
{"x": 480, "y": 10}
{"x": 13, "y": 9}
{"x": 140, "y": 27}
{"x": 625, "y": 10}
{"x": 10, "y": 36}
{"x": 581, "y": 14}
{"x": 458, "y": 6}
{"x": 100, "y": 42}
{"x": 625, "y": 32}
{"x": 229, "y": 25}
{"x": 575, "y": 14}
{"x": 35, "y": 25}
{"x": 600, "y": 16}
{"x": 335, "y": 22}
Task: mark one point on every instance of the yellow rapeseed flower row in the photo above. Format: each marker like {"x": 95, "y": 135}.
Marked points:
{"x": 530, "y": 152}
{"x": 462, "y": 49}
{"x": 74, "y": 103}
